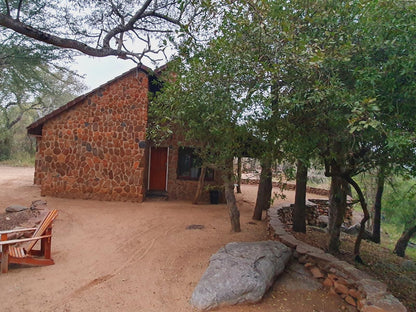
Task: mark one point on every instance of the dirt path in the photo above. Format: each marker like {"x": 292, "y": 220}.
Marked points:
{"x": 116, "y": 256}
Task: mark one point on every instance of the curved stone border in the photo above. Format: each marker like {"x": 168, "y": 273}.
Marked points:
{"x": 289, "y": 186}
{"x": 354, "y": 286}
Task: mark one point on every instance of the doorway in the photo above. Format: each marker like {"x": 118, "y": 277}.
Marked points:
{"x": 158, "y": 169}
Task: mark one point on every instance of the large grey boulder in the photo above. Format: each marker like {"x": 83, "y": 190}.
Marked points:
{"x": 240, "y": 272}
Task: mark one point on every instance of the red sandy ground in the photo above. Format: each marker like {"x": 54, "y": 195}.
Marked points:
{"x": 116, "y": 256}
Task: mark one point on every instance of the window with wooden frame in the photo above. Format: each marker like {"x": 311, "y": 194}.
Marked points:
{"x": 189, "y": 165}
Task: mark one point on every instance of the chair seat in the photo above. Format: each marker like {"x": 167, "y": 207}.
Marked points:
{"x": 17, "y": 252}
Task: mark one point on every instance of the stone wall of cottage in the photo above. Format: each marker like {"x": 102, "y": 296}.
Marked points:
{"x": 177, "y": 188}
{"x": 91, "y": 150}
{"x": 184, "y": 189}
{"x": 181, "y": 188}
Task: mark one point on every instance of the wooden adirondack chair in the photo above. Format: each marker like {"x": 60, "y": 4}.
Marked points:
{"x": 27, "y": 254}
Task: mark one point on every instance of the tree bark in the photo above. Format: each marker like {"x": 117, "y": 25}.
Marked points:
{"x": 264, "y": 191}
{"x": 299, "y": 210}
{"x": 401, "y": 244}
{"x": 363, "y": 220}
{"x": 337, "y": 208}
{"x": 200, "y": 186}
{"x": 27, "y": 30}
{"x": 239, "y": 175}
{"x": 377, "y": 208}
{"x": 230, "y": 198}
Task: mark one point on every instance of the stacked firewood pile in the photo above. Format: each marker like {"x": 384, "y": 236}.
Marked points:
{"x": 316, "y": 213}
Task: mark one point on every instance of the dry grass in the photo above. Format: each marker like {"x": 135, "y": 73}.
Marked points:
{"x": 398, "y": 273}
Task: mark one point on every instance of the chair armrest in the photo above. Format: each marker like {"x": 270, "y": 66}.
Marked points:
{"x": 17, "y": 231}
{"x": 15, "y": 241}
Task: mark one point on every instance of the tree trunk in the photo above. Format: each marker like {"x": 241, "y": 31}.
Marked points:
{"x": 200, "y": 186}
{"x": 337, "y": 208}
{"x": 230, "y": 198}
{"x": 264, "y": 191}
{"x": 5, "y": 147}
{"x": 299, "y": 210}
{"x": 239, "y": 175}
{"x": 364, "y": 219}
{"x": 377, "y": 208}
{"x": 401, "y": 244}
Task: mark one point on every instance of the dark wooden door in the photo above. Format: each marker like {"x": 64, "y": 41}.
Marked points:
{"x": 158, "y": 166}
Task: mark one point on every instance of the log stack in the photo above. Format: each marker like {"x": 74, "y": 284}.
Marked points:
{"x": 315, "y": 208}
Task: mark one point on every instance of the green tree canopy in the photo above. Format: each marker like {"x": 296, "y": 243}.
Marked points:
{"x": 33, "y": 82}
{"x": 400, "y": 210}
{"x": 349, "y": 68}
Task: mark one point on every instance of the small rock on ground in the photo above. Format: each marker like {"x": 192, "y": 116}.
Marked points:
{"x": 16, "y": 208}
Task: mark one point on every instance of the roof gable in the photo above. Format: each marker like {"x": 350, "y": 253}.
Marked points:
{"x": 36, "y": 127}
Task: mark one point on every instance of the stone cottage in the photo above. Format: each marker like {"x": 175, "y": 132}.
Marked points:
{"x": 95, "y": 147}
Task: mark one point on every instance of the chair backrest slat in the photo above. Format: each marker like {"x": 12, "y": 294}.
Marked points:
{"x": 46, "y": 222}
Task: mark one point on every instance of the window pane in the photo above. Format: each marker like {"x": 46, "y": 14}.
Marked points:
{"x": 189, "y": 165}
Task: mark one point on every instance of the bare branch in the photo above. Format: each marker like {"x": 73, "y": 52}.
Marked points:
{"x": 102, "y": 27}
{"x": 19, "y": 7}
{"x": 147, "y": 30}
{"x": 167, "y": 18}
{"x": 10, "y": 104}
{"x": 128, "y": 26}
{"x": 33, "y": 106}
{"x": 7, "y": 7}
{"x": 39, "y": 35}
{"x": 9, "y": 124}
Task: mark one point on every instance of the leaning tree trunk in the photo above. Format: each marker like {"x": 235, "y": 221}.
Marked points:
{"x": 377, "y": 209}
{"x": 230, "y": 198}
{"x": 299, "y": 210}
{"x": 401, "y": 244}
{"x": 363, "y": 220}
{"x": 200, "y": 186}
{"x": 264, "y": 191}
{"x": 337, "y": 208}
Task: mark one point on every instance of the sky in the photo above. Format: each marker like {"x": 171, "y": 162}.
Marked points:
{"x": 97, "y": 71}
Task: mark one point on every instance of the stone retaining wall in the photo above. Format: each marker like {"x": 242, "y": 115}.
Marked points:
{"x": 289, "y": 186}
{"x": 354, "y": 286}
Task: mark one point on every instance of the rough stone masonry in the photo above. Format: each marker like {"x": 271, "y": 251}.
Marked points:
{"x": 90, "y": 150}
